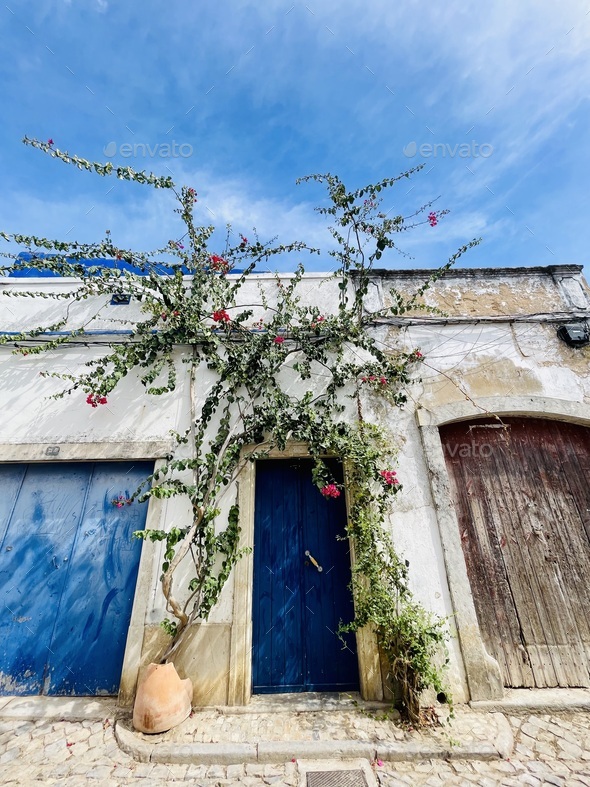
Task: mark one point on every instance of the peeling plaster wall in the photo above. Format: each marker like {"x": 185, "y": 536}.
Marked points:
{"x": 478, "y": 292}
{"x": 464, "y": 361}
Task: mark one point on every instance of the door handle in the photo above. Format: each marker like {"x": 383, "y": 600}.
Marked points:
{"x": 313, "y": 560}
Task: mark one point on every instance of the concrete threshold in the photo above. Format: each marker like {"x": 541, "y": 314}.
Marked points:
{"x": 536, "y": 700}
{"x": 58, "y": 708}
{"x": 302, "y": 703}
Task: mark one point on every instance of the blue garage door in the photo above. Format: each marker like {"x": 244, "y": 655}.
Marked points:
{"x": 296, "y": 606}
{"x": 68, "y": 568}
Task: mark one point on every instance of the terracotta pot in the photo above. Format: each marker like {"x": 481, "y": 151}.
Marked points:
{"x": 163, "y": 700}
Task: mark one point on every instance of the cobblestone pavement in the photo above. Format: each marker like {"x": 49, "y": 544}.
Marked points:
{"x": 549, "y": 750}
{"x": 215, "y": 726}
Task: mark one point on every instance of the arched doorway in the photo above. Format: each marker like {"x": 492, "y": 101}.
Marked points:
{"x": 521, "y": 491}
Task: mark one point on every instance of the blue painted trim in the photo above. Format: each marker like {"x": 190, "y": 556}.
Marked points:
{"x": 67, "y": 333}
{"x": 38, "y": 273}
{"x": 91, "y": 333}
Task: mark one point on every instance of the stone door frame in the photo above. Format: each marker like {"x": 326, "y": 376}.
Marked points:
{"x": 240, "y": 659}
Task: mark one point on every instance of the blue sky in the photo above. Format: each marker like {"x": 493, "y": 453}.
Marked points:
{"x": 495, "y": 97}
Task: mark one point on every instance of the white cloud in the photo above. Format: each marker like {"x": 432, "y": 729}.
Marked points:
{"x": 145, "y": 220}
{"x": 516, "y": 72}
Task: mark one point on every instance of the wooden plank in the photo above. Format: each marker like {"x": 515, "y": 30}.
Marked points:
{"x": 262, "y": 612}
{"x": 11, "y": 481}
{"x": 524, "y": 507}
{"x": 574, "y": 444}
{"x": 512, "y": 636}
{"x": 534, "y": 586}
{"x": 495, "y": 607}
{"x": 277, "y": 664}
{"x": 281, "y": 491}
{"x": 343, "y": 657}
{"x": 526, "y": 585}
{"x": 289, "y": 547}
{"x": 562, "y": 530}
{"x": 330, "y": 665}
{"x": 33, "y": 567}
{"x": 546, "y": 511}
{"x": 90, "y": 633}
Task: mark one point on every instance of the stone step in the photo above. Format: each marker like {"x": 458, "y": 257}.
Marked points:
{"x": 470, "y": 736}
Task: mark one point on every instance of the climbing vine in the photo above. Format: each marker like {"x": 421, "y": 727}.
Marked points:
{"x": 190, "y": 293}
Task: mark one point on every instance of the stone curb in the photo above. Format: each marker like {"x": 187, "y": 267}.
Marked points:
{"x": 284, "y": 751}
{"x": 132, "y": 745}
{"x": 412, "y": 752}
{"x": 58, "y": 708}
{"x": 536, "y": 701}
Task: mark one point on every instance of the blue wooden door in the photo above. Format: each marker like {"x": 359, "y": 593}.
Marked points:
{"x": 68, "y": 567}
{"x": 296, "y": 607}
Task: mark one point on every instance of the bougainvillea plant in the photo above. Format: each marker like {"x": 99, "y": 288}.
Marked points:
{"x": 191, "y": 314}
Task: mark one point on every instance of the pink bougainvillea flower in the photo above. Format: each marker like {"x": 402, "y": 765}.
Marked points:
{"x": 418, "y": 354}
{"x": 389, "y": 476}
{"x": 218, "y": 264}
{"x": 432, "y": 219}
{"x": 330, "y": 490}
{"x": 120, "y": 501}
{"x": 95, "y": 399}
{"x": 318, "y": 321}
{"x": 279, "y": 339}
{"x": 243, "y": 240}
{"x": 383, "y": 380}
{"x": 50, "y": 142}
{"x": 221, "y": 316}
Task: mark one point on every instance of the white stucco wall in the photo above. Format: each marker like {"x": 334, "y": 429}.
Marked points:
{"x": 464, "y": 361}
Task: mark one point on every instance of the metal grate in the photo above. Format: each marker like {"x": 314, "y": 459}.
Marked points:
{"x": 336, "y": 779}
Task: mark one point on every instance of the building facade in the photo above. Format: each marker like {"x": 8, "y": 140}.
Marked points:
{"x": 493, "y": 519}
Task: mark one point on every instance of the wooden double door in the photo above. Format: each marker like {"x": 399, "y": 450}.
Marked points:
{"x": 521, "y": 489}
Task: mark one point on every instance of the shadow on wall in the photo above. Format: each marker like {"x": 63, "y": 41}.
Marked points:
{"x": 30, "y": 413}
